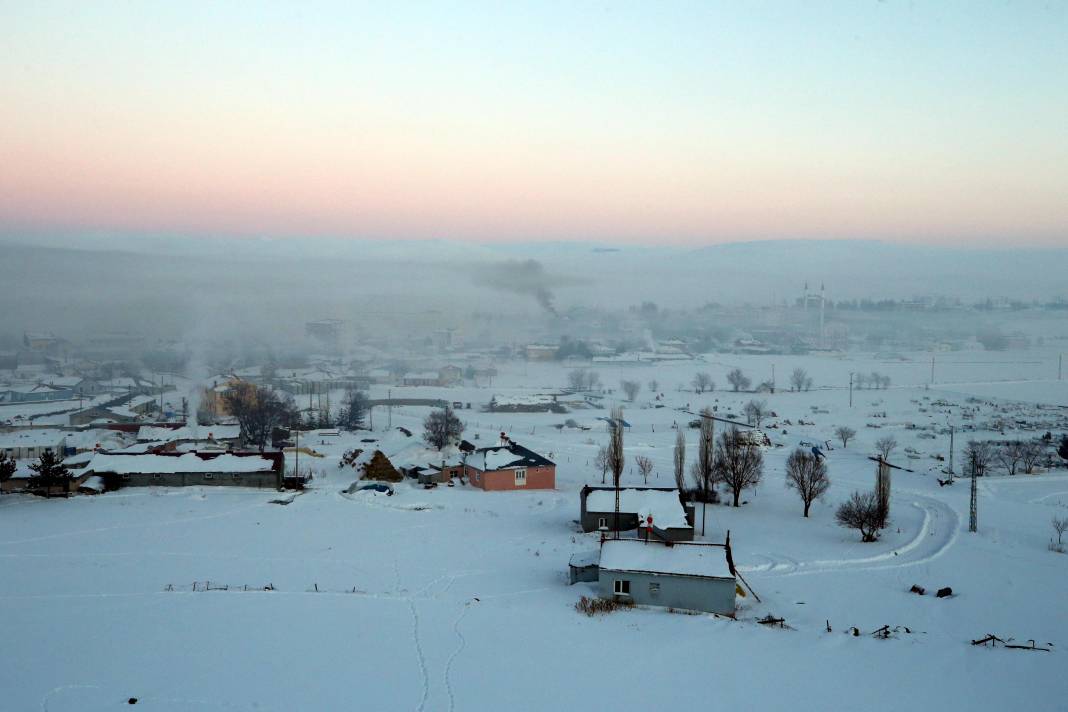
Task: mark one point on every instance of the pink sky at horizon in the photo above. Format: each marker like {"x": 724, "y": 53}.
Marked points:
{"x": 244, "y": 135}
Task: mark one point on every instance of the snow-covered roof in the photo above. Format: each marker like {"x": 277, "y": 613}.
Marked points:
{"x": 422, "y": 376}
{"x": 681, "y": 559}
{"x": 502, "y": 456}
{"x": 189, "y": 432}
{"x": 522, "y": 400}
{"x": 135, "y": 464}
{"x": 31, "y": 438}
{"x": 585, "y": 558}
{"x": 664, "y": 506}
{"x": 94, "y": 482}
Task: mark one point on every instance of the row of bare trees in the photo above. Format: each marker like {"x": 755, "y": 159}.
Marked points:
{"x": 583, "y": 379}
{"x": 871, "y": 380}
{"x": 1013, "y": 456}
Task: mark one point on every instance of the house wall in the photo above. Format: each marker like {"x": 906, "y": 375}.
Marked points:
{"x": 543, "y": 477}
{"x": 713, "y": 595}
{"x": 268, "y": 480}
{"x": 35, "y": 451}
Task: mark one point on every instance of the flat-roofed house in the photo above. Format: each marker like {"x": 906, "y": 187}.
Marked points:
{"x": 688, "y": 576}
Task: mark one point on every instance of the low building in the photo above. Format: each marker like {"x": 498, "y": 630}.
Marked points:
{"x": 450, "y": 375}
{"x": 661, "y": 510}
{"x": 508, "y": 466}
{"x": 427, "y": 378}
{"x": 229, "y": 434}
{"x": 688, "y": 576}
{"x": 30, "y": 444}
{"x": 541, "y": 352}
{"x": 180, "y": 470}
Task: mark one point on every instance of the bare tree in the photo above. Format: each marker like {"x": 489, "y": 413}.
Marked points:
{"x": 860, "y": 380}
{"x": 259, "y": 411}
{"x": 593, "y": 379}
{"x": 601, "y": 461}
{"x": 861, "y": 512}
{"x": 1060, "y": 525}
{"x": 755, "y": 411}
{"x": 798, "y": 378}
{"x": 442, "y": 427}
{"x": 884, "y": 381}
{"x": 1030, "y": 455}
{"x": 703, "y": 382}
{"x": 680, "y": 461}
{"x": 645, "y": 466}
{"x": 1009, "y": 454}
{"x": 875, "y": 379}
{"x": 739, "y": 462}
{"x": 882, "y": 492}
{"x": 616, "y": 458}
{"x": 654, "y": 386}
{"x": 738, "y": 380}
{"x": 630, "y": 389}
{"x": 845, "y": 434}
{"x": 807, "y": 474}
{"x": 978, "y": 454}
{"x": 576, "y": 379}
{"x": 885, "y": 446}
{"x": 704, "y": 469}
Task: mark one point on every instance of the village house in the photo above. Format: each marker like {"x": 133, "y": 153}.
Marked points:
{"x": 36, "y": 393}
{"x": 541, "y": 352}
{"x": 32, "y": 443}
{"x": 507, "y": 466}
{"x": 450, "y": 375}
{"x": 264, "y": 470}
{"x": 425, "y": 378}
{"x": 687, "y": 576}
{"x": 661, "y": 510}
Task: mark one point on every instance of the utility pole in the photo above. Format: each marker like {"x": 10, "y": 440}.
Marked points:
{"x": 772, "y": 378}
{"x": 389, "y": 408}
{"x": 1060, "y": 366}
{"x": 850, "y": 389}
{"x": 932, "y": 369}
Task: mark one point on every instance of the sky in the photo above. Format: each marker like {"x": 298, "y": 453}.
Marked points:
{"x": 938, "y": 123}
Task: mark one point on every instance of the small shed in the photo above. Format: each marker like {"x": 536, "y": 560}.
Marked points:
{"x": 689, "y": 576}
{"x": 583, "y": 566}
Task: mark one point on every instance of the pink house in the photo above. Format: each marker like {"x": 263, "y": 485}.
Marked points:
{"x": 508, "y": 466}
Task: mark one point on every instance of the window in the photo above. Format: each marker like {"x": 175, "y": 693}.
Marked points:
{"x": 622, "y": 587}
{"x": 125, "y": 477}
{"x": 157, "y": 476}
{"x": 654, "y": 589}
{"x": 602, "y": 523}
{"x": 209, "y": 476}
{"x": 521, "y": 477}
{"x": 236, "y": 477}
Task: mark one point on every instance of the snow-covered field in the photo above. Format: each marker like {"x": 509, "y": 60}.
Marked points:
{"x": 457, "y": 599}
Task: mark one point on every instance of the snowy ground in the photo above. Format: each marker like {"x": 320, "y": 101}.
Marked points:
{"x": 457, "y": 599}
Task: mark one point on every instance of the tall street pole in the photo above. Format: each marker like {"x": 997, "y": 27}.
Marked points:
{"x": 850, "y": 389}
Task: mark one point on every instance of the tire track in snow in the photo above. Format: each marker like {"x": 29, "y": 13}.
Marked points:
{"x": 940, "y": 522}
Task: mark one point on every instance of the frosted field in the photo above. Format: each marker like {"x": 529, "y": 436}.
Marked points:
{"x": 456, "y": 599}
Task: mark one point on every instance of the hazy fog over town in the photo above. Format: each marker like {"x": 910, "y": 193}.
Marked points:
{"x": 484, "y": 356}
